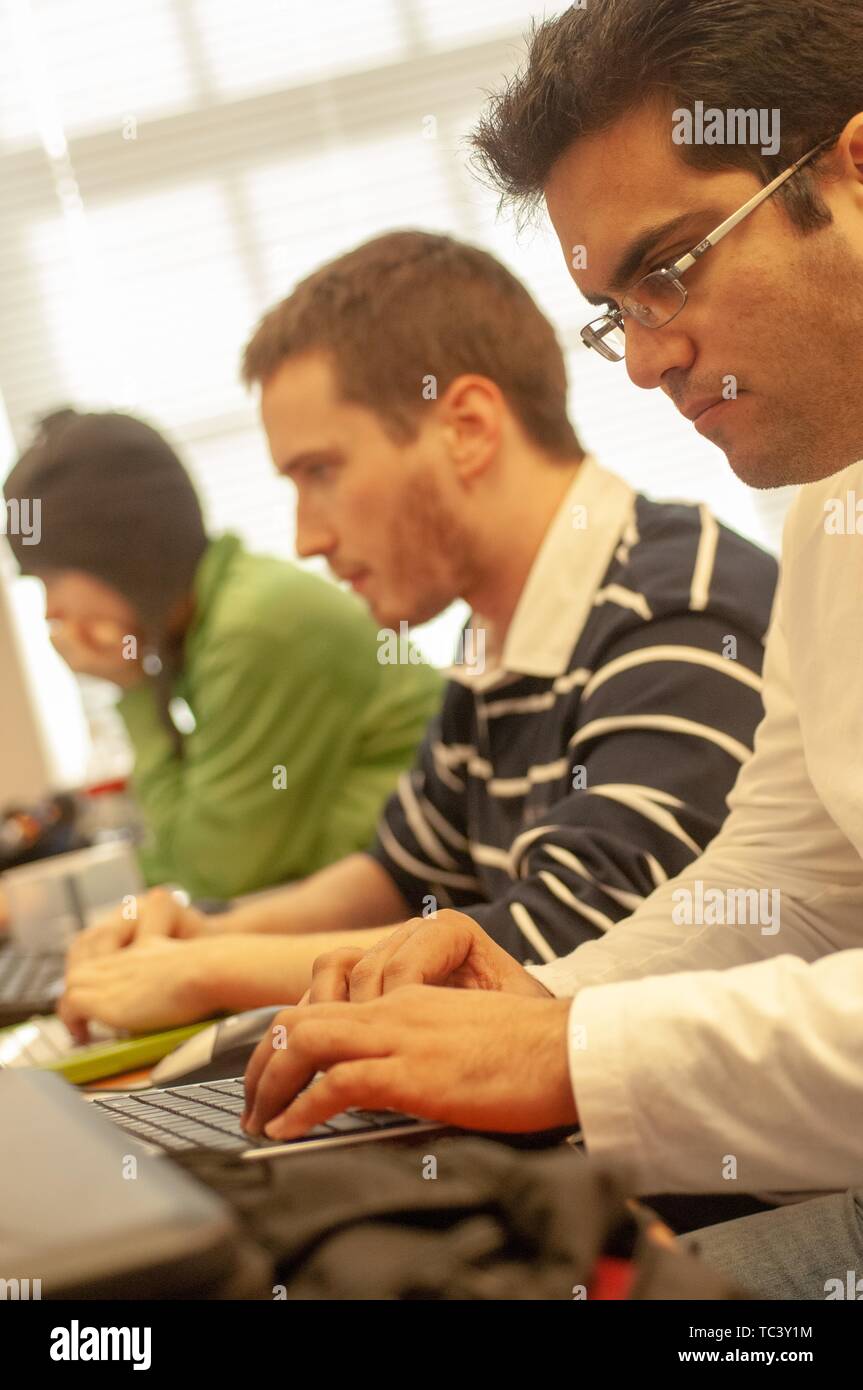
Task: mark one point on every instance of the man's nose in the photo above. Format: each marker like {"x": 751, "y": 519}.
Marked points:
{"x": 314, "y": 535}
{"x": 651, "y": 352}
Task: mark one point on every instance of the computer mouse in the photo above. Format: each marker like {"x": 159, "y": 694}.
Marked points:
{"x": 217, "y": 1053}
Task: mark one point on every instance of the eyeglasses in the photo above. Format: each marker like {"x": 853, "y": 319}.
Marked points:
{"x": 659, "y": 297}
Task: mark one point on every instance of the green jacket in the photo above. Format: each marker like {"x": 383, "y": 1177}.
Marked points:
{"x": 300, "y": 733}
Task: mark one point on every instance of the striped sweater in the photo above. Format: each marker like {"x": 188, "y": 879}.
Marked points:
{"x": 556, "y": 790}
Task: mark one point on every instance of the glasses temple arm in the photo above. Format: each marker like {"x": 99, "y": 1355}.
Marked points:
{"x": 731, "y": 222}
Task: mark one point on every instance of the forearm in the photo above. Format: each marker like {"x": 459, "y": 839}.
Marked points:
{"x": 238, "y": 973}
{"x": 356, "y": 892}
{"x": 734, "y": 906}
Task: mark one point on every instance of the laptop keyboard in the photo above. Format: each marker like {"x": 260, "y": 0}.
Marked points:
{"x": 208, "y": 1116}
{"x": 29, "y": 977}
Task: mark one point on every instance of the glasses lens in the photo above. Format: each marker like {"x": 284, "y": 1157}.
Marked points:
{"x": 655, "y": 300}
{"x": 606, "y": 337}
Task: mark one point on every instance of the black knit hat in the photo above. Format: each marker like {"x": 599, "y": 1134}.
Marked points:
{"x": 116, "y": 503}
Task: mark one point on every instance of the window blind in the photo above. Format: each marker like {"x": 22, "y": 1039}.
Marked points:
{"x": 170, "y": 168}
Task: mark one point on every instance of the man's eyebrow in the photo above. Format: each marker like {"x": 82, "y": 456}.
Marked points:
{"x": 289, "y": 466}
{"x": 638, "y": 250}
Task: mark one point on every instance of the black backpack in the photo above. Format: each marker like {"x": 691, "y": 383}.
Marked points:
{"x": 457, "y": 1218}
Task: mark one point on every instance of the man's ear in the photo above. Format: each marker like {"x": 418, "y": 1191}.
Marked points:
{"x": 472, "y": 411}
{"x": 850, "y": 144}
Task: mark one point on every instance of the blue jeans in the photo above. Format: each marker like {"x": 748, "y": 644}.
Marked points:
{"x": 812, "y": 1250}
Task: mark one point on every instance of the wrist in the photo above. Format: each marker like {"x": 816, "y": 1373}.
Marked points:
{"x": 203, "y": 925}
{"x": 234, "y": 922}
{"x": 268, "y": 915}
{"x": 211, "y": 977}
{"x": 226, "y": 977}
{"x": 535, "y": 987}
{"x": 559, "y": 1067}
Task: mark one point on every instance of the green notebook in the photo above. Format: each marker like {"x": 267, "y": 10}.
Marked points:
{"x": 95, "y": 1061}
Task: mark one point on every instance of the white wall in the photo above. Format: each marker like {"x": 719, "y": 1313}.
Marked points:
{"x": 25, "y": 772}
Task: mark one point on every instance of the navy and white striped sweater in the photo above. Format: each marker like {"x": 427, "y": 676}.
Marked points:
{"x": 547, "y": 807}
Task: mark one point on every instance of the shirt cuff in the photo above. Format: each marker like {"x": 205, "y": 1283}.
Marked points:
{"x": 558, "y": 976}
{"x": 599, "y": 1068}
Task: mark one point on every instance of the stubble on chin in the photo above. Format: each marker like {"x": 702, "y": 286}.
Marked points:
{"x": 792, "y": 454}
{"x": 432, "y": 555}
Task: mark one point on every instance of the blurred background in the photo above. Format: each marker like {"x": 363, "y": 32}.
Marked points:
{"x": 168, "y": 170}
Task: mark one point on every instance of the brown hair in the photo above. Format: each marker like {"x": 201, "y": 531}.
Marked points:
{"x": 589, "y": 66}
{"x": 411, "y": 305}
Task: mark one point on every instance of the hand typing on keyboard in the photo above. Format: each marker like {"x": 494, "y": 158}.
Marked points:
{"x": 473, "y": 1058}
{"x": 156, "y": 983}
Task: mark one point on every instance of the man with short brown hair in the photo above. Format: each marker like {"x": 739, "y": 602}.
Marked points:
{"x": 416, "y": 396}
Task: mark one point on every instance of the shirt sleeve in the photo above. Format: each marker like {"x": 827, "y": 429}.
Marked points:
{"x": 741, "y": 1080}
{"x": 779, "y": 843}
{"x": 422, "y": 837}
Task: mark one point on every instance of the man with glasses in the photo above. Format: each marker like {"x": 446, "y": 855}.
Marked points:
{"x": 659, "y": 296}
{"x": 709, "y": 1053}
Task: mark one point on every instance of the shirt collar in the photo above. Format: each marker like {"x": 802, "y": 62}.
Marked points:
{"x": 561, "y": 586}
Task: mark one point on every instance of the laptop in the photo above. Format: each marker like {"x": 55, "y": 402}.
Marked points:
{"x": 73, "y": 1223}
{"x": 71, "y": 1216}
{"x": 29, "y": 984}
{"x": 90, "y": 1209}
{"x": 207, "y": 1116}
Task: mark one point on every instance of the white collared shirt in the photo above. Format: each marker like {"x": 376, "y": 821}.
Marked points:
{"x": 737, "y": 1065}
{"x": 562, "y": 584}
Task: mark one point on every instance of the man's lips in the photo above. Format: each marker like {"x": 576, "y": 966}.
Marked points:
{"x": 698, "y": 406}
{"x": 704, "y": 410}
{"x": 353, "y": 577}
